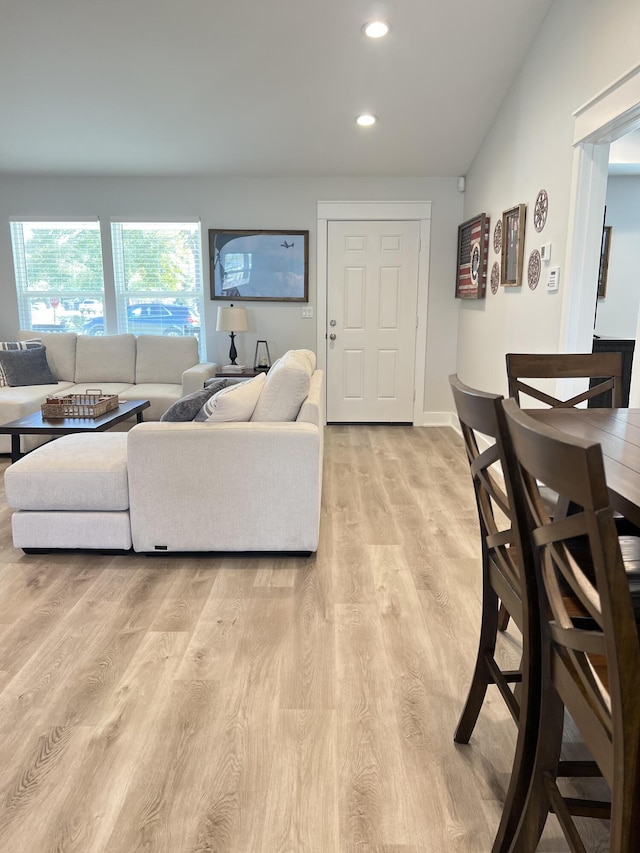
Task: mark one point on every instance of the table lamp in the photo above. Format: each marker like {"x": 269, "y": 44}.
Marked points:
{"x": 232, "y": 320}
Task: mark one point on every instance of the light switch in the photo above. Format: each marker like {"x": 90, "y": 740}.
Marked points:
{"x": 307, "y": 312}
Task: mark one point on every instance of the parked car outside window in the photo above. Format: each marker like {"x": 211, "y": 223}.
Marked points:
{"x": 153, "y": 318}
{"x": 90, "y": 306}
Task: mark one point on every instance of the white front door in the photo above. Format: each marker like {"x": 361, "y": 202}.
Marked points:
{"x": 372, "y": 291}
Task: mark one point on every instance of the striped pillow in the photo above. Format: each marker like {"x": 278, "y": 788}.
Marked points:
{"x": 11, "y": 345}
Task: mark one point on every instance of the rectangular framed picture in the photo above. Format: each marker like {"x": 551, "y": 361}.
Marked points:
{"x": 513, "y": 222}
{"x": 605, "y": 249}
{"x": 471, "y": 264}
{"x": 259, "y": 265}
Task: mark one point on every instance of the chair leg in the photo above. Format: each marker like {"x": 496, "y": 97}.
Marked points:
{"x": 529, "y": 690}
{"x": 625, "y": 814}
{"x": 547, "y": 757}
{"x": 481, "y": 675}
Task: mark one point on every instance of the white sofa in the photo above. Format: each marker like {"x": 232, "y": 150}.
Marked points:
{"x": 151, "y": 367}
{"x": 178, "y": 486}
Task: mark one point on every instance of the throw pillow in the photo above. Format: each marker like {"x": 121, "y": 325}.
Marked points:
{"x": 16, "y": 345}
{"x": 26, "y": 367}
{"x": 187, "y": 408}
{"x": 234, "y": 403}
{"x": 286, "y": 387}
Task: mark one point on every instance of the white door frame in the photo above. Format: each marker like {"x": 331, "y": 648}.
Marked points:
{"x": 381, "y": 210}
{"x": 606, "y": 117}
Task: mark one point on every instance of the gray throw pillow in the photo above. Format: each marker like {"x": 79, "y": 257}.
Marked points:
{"x": 186, "y": 408}
{"x": 26, "y": 367}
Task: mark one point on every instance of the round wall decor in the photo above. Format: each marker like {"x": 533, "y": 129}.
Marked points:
{"x": 533, "y": 269}
{"x": 495, "y": 277}
{"x": 497, "y": 237}
{"x": 540, "y": 210}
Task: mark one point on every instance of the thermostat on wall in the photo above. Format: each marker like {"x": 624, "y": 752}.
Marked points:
{"x": 553, "y": 280}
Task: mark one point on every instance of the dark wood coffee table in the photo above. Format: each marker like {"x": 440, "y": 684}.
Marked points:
{"x": 35, "y": 424}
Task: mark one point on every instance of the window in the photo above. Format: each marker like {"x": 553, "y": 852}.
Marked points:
{"x": 59, "y": 278}
{"x": 158, "y": 277}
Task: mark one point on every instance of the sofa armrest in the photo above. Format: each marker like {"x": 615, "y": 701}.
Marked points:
{"x": 225, "y": 486}
{"x": 194, "y": 378}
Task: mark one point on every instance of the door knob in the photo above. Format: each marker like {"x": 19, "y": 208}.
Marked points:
{"x": 332, "y": 337}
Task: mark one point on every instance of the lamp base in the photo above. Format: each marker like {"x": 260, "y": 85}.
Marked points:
{"x": 233, "y": 352}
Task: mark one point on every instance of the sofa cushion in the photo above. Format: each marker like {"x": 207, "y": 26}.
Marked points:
{"x": 286, "y": 387}
{"x": 26, "y": 367}
{"x": 61, "y": 352}
{"x": 187, "y": 408}
{"x": 86, "y": 471}
{"x": 235, "y": 403}
{"x": 164, "y": 359}
{"x": 15, "y": 345}
{"x": 108, "y": 358}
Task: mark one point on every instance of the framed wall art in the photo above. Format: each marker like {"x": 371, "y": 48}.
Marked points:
{"x": 605, "y": 249}
{"x": 513, "y": 222}
{"x": 471, "y": 264}
{"x": 259, "y": 265}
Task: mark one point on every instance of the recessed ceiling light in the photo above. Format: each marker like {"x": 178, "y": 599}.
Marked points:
{"x": 366, "y": 120}
{"x": 376, "y": 29}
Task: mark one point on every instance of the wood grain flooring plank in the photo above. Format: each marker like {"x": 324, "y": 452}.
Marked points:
{"x": 301, "y": 804}
{"x": 309, "y": 677}
{"x": 372, "y": 783}
{"x": 182, "y": 606}
{"x": 32, "y": 788}
{"x": 95, "y": 799}
{"x": 164, "y": 801}
{"x": 238, "y": 766}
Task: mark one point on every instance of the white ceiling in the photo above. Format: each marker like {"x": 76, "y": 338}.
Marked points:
{"x": 241, "y": 87}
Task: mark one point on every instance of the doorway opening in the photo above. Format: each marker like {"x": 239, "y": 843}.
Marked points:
{"x": 608, "y": 116}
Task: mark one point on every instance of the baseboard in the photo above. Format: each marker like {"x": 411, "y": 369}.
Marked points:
{"x": 437, "y": 419}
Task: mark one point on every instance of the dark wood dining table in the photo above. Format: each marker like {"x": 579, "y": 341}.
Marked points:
{"x": 618, "y": 433}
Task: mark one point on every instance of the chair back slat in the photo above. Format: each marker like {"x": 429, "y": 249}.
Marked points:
{"x": 604, "y": 369}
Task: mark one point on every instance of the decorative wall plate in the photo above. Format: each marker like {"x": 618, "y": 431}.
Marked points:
{"x": 497, "y": 236}
{"x": 533, "y": 269}
{"x": 495, "y": 277}
{"x": 540, "y": 210}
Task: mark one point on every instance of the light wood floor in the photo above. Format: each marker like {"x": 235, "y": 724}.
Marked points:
{"x": 263, "y": 704}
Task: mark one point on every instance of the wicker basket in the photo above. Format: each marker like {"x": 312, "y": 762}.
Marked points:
{"x": 91, "y": 404}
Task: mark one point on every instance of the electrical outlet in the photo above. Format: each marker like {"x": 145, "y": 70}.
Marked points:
{"x": 307, "y": 312}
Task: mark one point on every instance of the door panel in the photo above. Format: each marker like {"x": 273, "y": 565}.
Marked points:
{"x": 371, "y": 308}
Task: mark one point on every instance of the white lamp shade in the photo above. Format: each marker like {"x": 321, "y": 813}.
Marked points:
{"x": 232, "y": 320}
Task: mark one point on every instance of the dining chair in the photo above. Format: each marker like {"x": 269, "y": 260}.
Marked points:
{"x": 603, "y": 369}
{"x": 480, "y": 416}
{"x": 589, "y": 635}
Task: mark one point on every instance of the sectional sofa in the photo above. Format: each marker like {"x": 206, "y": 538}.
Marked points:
{"x": 186, "y": 486}
{"x": 151, "y": 367}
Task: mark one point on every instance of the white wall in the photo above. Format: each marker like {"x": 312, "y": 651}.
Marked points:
{"x": 583, "y": 46}
{"x": 618, "y": 312}
{"x": 250, "y": 203}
